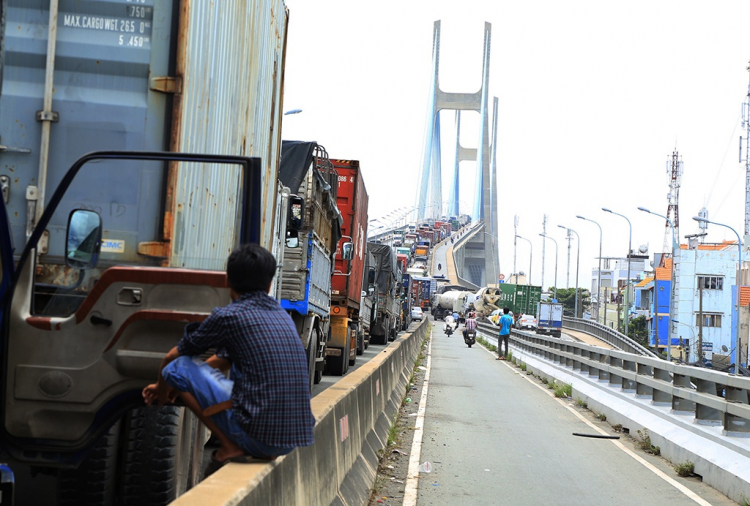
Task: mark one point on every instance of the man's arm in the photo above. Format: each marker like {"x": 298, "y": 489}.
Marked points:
{"x": 160, "y": 392}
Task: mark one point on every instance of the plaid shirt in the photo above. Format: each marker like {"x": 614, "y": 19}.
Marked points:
{"x": 470, "y": 324}
{"x": 271, "y": 393}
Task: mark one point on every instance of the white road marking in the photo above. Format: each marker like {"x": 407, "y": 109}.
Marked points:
{"x": 412, "y": 476}
{"x": 679, "y": 486}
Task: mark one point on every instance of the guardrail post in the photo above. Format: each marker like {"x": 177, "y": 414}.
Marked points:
{"x": 642, "y": 390}
{"x": 582, "y": 365}
{"x": 629, "y": 385}
{"x": 603, "y": 373}
{"x": 662, "y": 397}
{"x": 733, "y": 424}
{"x": 705, "y": 415}
{"x": 614, "y": 378}
{"x": 680, "y": 405}
{"x": 576, "y": 361}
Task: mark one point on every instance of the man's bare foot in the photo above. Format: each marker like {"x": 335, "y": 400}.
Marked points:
{"x": 227, "y": 452}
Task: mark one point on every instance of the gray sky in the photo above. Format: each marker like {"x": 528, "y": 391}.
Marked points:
{"x": 593, "y": 98}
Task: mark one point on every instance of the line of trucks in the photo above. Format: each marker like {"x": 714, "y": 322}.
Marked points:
{"x": 127, "y": 177}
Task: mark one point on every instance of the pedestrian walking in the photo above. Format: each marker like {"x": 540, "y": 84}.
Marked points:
{"x": 506, "y": 322}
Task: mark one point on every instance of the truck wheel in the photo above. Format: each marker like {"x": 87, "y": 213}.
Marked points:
{"x": 94, "y": 482}
{"x": 162, "y": 455}
{"x": 360, "y": 342}
{"x": 313, "y": 348}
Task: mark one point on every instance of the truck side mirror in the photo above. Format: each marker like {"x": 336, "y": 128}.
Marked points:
{"x": 83, "y": 240}
{"x": 296, "y": 212}
{"x": 347, "y": 251}
{"x": 371, "y": 276}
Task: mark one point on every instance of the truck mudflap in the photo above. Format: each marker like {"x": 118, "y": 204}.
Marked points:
{"x": 68, "y": 376}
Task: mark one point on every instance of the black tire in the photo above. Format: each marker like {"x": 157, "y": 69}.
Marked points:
{"x": 360, "y": 342}
{"x": 312, "y": 348}
{"x": 93, "y": 483}
{"x": 355, "y": 338}
{"x": 469, "y": 346}
{"x": 160, "y": 458}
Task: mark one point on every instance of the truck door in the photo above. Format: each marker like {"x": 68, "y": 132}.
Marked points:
{"x": 83, "y": 334}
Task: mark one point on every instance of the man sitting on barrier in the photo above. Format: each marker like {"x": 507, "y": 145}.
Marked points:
{"x": 263, "y": 409}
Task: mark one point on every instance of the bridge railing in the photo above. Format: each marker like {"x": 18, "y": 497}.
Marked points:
{"x": 712, "y": 397}
{"x": 608, "y": 335}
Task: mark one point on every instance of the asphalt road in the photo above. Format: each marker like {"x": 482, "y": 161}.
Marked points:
{"x": 494, "y": 435}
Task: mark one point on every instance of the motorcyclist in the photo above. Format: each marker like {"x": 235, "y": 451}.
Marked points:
{"x": 449, "y": 320}
{"x": 470, "y": 323}
{"x": 440, "y": 267}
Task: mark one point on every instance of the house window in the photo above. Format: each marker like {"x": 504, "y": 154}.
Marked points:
{"x": 709, "y": 320}
{"x": 711, "y": 282}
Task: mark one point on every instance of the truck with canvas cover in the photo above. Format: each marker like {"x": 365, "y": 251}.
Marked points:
{"x": 84, "y": 328}
{"x": 369, "y": 299}
{"x": 312, "y": 233}
{"x": 348, "y": 340}
{"x": 384, "y": 325}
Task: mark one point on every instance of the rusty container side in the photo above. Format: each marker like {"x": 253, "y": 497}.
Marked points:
{"x": 352, "y": 201}
{"x": 230, "y": 67}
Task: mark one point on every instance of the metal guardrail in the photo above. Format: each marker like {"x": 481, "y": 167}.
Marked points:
{"x": 712, "y": 397}
{"x": 608, "y": 335}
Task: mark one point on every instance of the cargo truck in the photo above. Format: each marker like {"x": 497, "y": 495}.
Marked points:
{"x": 312, "y": 234}
{"x": 87, "y": 318}
{"x": 520, "y": 299}
{"x": 549, "y": 318}
{"x": 347, "y": 326}
{"x": 386, "y": 315}
{"x": 406, "y": 301}
{"x": 421, "y": 252}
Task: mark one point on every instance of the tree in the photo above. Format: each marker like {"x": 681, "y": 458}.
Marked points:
{"x": 566, "y": 297}
{"x": 638, "y": 330}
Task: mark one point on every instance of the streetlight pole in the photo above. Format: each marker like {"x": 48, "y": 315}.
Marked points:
{"x": 556, "y": 257}
{"x": 531, "y": 256}
{"x": 672, "y": 283}
{"x": 599, "y": 281}
{"x": 627, "y": 285}
{"x": 737, "y": 282}
{"x": 578, "y": 258}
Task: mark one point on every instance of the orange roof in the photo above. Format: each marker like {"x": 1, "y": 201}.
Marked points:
{"x": 718, "y": 247}
{"x": 664, "y": 273}
{"x": 745, "y": 296}
{"x": 644, "y": 282}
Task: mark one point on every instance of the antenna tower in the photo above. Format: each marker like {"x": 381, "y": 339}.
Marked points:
{"x": 746, "y": 126}
{"x": 674, "y": 176}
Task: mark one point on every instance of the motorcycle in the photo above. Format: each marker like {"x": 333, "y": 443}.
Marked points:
{"x": 470, "y": 337}
{"x": 448, "y": 330}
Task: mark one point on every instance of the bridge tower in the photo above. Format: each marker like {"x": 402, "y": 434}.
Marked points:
{"x": 429, "y": 200}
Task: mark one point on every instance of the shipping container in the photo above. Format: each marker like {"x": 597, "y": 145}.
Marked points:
{"x": 117, "y": 78}
{"x": 348, "y": 275}
{"x": 521, "y": 299}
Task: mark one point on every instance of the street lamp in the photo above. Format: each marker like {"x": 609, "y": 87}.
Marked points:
{"x": 599, "y": 281}
{"x": 555, "y": 287}
{"x": 627, "y": 286}
{"x": 739, "y": 273}
{"x": 531, "y": 256}
{"x": 672, "y": 282}
{"x": 578, "y": 258}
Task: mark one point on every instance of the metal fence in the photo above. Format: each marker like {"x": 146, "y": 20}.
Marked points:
{"x": 712, "y": 397}
{"x": 608, "y": 335}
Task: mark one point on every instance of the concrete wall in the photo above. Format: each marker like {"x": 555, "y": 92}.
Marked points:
{"x": 353, "y": 417}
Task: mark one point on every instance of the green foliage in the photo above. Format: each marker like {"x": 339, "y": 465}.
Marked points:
{"x": 644, "y": 442}
{"x": 567, "y": 297}
{"x": 581, "y": 403}
{"x": 563, "y": 390}
{"x": 638, "y": 330}
{"x": 685, "y": 469}
{"x": 523, "y": 366}
{"x": 602, "y": 417}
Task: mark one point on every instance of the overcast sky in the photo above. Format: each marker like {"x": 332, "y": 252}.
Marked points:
{"x": 593, "y": 98}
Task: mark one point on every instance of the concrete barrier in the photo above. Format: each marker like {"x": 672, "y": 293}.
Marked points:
{"x": 353, "y": 418}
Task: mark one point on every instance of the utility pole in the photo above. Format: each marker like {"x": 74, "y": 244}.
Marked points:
{"x": 569, "y": 237}
{"x": 515, "y": 242}
{"x": 544, "y": 230}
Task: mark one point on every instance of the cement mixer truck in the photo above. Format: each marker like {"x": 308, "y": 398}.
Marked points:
{"x": 446, "y": 303}
{"x": 487, "y": 300}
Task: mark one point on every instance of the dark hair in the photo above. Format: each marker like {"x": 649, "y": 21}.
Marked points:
{"x": 250, "y": 268}
{"x": 505, "y": 309}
